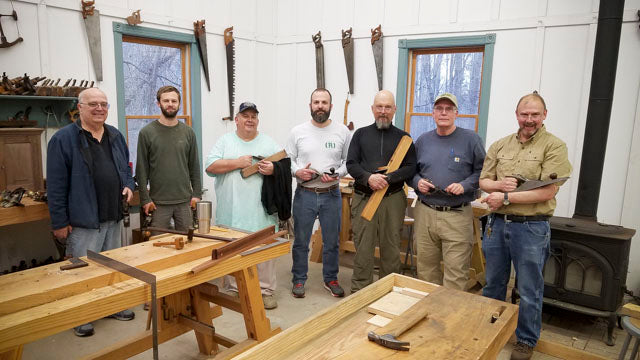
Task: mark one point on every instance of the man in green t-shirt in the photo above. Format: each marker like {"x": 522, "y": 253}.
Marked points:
{"x": 168, "y": 161}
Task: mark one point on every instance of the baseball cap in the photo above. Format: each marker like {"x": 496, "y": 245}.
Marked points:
{"x": 449, "y": 97}
{"x": 247, "y": 106}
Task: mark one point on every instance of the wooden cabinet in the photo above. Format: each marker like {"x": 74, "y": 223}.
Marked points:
{"x": 21, "y": 159}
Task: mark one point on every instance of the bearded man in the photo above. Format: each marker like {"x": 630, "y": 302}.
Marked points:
{"x": 318, "y": 151}
{"x": 168, "y": 161}
{"x": 371, "y": 149}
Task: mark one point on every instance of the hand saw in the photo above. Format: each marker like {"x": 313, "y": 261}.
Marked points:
{"x": 201, "y": 40}
{"x": 229, "y": 44}
{"x": 347, "y": 48}
{"x": 317, "y": 39}
{"x": 376, "y": 44}
{"x": 92, "y": 26}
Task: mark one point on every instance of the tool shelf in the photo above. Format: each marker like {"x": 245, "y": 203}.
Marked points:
{"x": 11, "y": 104}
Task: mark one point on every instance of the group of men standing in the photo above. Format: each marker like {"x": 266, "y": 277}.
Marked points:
{"x": 88, "y": 175}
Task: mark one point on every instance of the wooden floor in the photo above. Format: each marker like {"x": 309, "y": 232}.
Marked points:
{"x": 579, "y": 331}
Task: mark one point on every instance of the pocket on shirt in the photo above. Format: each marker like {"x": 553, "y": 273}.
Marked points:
{"x": 457, "y": 163}
{"x": 505, "y": 164}
{"x": 532, "y": 166}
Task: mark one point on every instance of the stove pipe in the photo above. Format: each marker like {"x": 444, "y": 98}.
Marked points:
{"x": 603, "y": 78}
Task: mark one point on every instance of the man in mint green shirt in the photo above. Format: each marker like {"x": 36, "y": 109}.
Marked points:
{"x": 238, "y": 199}
{"x": 168, "y": 161}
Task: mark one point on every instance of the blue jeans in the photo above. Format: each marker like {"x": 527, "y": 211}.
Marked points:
{"x": 527, "y": 245}
{"x": 107, "y": 237}
{"x": 306, "y": 207}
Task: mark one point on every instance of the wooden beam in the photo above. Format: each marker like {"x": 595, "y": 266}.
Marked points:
{"x": 37, "y": 322}
{"x": 394, "y": 163}
{"x": 235, "y": 350}
{"x": 565, "y": 352}
{"x": 250, "y": 170}
{"x": 31, "y": 211}
{"x": 631, "y": 310}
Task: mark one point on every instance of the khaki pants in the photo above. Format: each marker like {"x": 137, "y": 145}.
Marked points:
{"x": 443, "y": 236}
{"x": 383, "y": 231}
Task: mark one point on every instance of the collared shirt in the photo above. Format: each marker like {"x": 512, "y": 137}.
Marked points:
{"x": 537, "y": 158}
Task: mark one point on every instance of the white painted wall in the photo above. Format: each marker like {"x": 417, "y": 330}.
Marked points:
{"x": 540, "y": 44}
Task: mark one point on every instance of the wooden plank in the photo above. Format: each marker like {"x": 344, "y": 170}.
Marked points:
{"x": 295, "y": 337}
{"x": 47, "y": 319}
{"x": 13, "y": 354}
{"x": 392, "y": 305}
{"x": 31, "y": 211}
{"x": 379, "y": 320}
{"x": 250, "y": 170}
{"x": 202, "y": 309}
{"x": 631, "y": 310}
{"x": 316, "y": 247}
{"x": 235, "y": 350}
{"x": 224, "y": 300}
{"x": 394, "y": 163}
{"x": 415, "y": 293}
{"x": 564, "y": 352}
{"x": 33, "y": 287}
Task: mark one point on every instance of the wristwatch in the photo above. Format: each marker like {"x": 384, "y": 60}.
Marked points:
{"x": 506, "y": 199}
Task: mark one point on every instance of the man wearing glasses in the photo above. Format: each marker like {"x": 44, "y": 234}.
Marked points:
{"x": 518, "y": 229}
{"x": 168, "y": 161}
{"x": 449, "y": 164}
{"x": 88, "y": 173}
{"x": 371, "y": 148}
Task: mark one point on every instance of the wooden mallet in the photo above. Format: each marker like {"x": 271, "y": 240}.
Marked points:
{"x": 178, "y": 242}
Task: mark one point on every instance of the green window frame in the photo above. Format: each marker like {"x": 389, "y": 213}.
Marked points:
{"x": 406, "y": 46}
{"x": 120, "y": 30}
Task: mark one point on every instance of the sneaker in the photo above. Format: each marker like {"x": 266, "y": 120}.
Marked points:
{"x": 298, "y": 290}
{"x": 269, "y": 302}
{"x": 83, "y": 330}
{"x": 124, "y": 315}
{"x": 521, "y": 351}
{"x": 334, "y": 288}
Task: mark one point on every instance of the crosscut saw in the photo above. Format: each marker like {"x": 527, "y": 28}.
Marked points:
{"x": 317, "y": 39}
{"x": 376, "y": 44}
{"x": 201, "y": 40}
{"x": 229, "y": 44}
{"x": 347, "y": 48}
{"x": 91, "y": 18}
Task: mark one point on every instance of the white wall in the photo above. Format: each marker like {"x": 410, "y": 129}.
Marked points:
{"x": 544, "y": 44}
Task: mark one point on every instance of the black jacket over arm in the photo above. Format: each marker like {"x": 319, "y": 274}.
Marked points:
{"x": 276, "y": 190}
{"x": 372, "y": 148}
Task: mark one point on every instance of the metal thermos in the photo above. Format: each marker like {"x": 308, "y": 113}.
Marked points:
{"x": 203, "y": 212}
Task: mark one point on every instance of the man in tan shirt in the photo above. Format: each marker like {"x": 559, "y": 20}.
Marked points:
{"x": 518, "y": 229}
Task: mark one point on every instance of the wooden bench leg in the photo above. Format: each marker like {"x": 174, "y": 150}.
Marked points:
{"x": 13, "y": 354}
{"x": 316, "y": 246}
{"x": 255, "y": 319}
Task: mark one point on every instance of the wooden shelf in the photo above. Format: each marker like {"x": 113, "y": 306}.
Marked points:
{"x": 11, "y": 104}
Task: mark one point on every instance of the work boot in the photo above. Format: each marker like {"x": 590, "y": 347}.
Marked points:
{"x": 124, "y": 315}
{"x": 298, "y": 290}
{"x": 83, "y": 330}
{"x": 269, "y": 302}
{"x": 521, "y": 351}
{"x": 334, "y": 288}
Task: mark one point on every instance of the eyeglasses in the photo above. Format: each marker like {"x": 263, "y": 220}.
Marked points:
{"x": 95, "y": 105}
{"x": 380, "y": 108}
{"x": 446, "y": 109}
{"x": 534, "y": 116}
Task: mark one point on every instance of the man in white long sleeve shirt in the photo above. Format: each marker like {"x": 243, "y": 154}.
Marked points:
{"x": 318, "y": 151}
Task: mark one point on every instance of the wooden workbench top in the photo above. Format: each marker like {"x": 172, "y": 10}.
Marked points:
{"x": 31, "y": 211}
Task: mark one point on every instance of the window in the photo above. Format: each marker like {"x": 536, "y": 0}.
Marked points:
{"x": 147, "y": 59}
{"x": 427, "y": 68}
{"x": 149, "y": 64}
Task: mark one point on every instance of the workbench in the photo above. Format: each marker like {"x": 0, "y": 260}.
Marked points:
{"x": 459, "y": 326}
{"x": 39, "y": 302}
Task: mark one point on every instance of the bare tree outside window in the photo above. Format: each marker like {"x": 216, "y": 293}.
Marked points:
{"x": 457, "y": 71}
{"x": 147, "y": 66}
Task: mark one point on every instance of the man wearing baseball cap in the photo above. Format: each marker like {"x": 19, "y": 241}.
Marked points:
{"x": 449, "y": 165}
{"x": 239, "y": 203}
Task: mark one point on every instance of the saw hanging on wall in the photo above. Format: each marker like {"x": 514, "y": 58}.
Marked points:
{"x": 91, "y": 17}
{"x": 347, "y": 48}
{"x": 317, "y": 40}
{"x": 376, "y": 44}
{"x": 201, "y": 39}
{"x": 3, "y": 39}
{"x": 229, "y": 44}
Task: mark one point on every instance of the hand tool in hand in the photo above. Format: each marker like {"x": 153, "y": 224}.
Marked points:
{"x": 387, "y": 336}
{"x": 178, "y": 242}
{"x": 525, "y": 184}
